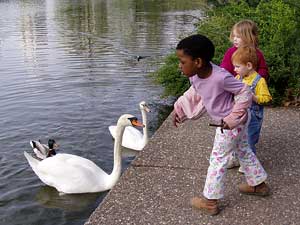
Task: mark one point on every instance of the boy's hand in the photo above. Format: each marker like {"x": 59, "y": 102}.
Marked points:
{"x": 176, "y": 119}
{"x": 225, "y": 125}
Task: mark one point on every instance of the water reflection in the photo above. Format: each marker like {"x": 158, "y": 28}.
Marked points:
{"x": 33, "y": 32}
{"x": 50, "y": 198}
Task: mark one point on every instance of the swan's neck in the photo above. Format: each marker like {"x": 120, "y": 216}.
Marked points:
{"x": 145, "y": 128}
{"x": 116, "y": 172}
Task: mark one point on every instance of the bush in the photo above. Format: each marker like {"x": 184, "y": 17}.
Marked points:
{"x": 170, "y": 77}
{"x": 279, "y": 39}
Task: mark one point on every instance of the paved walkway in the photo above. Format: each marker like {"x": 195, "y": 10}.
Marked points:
{"x": 158, "y": 185}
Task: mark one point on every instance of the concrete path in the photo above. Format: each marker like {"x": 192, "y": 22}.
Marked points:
{"x": 157, "y": 187}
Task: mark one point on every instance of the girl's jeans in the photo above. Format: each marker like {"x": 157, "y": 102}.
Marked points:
{"x": 257, "y": 113}
{"x": 224, "y": 145}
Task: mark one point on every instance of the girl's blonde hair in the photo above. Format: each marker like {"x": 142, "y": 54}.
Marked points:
{"x": 245, "y": 54}
{"x": 247, "y": 30}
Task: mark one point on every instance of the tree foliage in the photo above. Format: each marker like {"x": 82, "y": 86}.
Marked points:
{"x": 279, "y": 39}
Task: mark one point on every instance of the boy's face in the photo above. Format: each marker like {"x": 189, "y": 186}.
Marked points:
{"x": 187, "y": 64}
{"x": 243, "y": 69}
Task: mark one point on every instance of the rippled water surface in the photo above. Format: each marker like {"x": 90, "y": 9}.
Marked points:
{"x": 68, "y": 70}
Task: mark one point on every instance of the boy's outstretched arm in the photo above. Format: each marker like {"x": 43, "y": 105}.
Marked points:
{"x": 188, "y": 106}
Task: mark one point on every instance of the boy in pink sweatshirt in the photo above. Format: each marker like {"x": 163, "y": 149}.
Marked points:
{"x": 226, "y": 100}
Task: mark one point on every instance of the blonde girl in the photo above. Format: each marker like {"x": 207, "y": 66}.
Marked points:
{"x": 245, "y": 33}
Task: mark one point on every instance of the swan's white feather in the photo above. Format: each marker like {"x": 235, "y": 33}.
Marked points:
{"x": 132, "y": 137}
{"x": 71, "y": 174}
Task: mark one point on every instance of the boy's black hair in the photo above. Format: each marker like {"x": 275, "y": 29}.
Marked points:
{"x": 197, "y": 46}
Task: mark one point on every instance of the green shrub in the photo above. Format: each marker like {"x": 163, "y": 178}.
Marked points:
{"x": 170, "y": 77}
{"x": 279, "y": 39}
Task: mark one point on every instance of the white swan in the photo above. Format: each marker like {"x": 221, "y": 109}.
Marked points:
{"x": 74, "y": 174}
{"x": 132, "y": 137}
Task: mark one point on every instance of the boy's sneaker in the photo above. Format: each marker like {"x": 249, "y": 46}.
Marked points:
{"x": 233, "y": 164}
{"x": 209, "y": 206}
{"x": 260, "y": 190}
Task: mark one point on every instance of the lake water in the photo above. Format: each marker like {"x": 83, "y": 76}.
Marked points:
{"x": 68, "y": 70}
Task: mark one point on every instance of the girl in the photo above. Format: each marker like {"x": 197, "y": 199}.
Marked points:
{"x": 245, "y": 33}
{"x": 226, "y": 100}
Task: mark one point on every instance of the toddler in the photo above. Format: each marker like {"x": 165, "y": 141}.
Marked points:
{"x": 244, "y": 61}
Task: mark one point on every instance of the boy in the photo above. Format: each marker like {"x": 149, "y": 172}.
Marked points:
{"x": 226, "y": 101}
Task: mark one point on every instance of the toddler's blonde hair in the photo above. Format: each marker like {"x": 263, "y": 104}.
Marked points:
{"x": 245, "y": 54}
{"x": 247, "y": 30}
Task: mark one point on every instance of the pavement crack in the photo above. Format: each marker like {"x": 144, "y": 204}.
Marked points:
{"x": 166, "y": 167}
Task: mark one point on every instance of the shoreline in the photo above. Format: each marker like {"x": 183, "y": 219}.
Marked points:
{"x": 157, "y": 186}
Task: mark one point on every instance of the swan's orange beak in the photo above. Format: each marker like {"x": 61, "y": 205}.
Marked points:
{"x": 137, "y": 123}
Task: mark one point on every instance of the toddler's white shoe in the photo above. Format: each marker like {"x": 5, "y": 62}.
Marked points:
{"x": 241, "y": 170}
{"x": 233, "y": 164}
